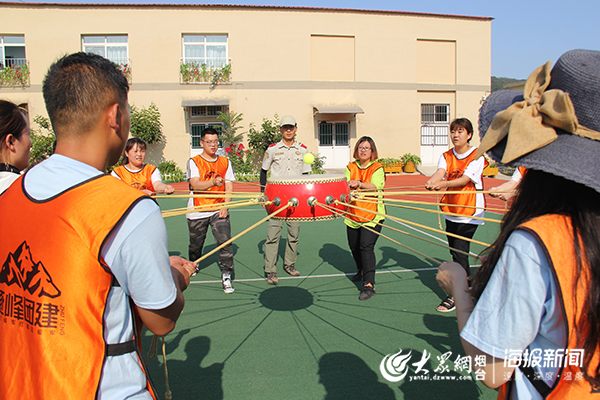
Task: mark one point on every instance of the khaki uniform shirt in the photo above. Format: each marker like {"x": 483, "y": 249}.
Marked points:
{"x": 284, "y": 161}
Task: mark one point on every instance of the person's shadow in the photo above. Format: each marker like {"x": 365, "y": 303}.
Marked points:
{"x": 340, "y": 259}
{"x": 451, "y": 388}
{"x": 346, "y": 376}
{"x": 187, "y": 379}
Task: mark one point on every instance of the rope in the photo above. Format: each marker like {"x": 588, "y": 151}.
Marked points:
{"x": 152, "y": 355}
{"x": 380, "y": 234}
{"x": 268, "y": 217}
{"x": 424, "y": 239}
{"x": 430, "y": 192}
{"x": 439, "y": 212}
{"x": 416, "y": 224}
{"x": 491, "y": 209}
{"x": 211, "y": 207}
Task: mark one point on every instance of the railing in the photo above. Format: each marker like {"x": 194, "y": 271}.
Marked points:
{"x": 204, "y": 71}
{"x": 14, "y": 72}
{"x": 124, "y": 65}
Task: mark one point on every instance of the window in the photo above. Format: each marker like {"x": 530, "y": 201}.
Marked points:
{"x": 205, "y": 111}
{"x": 14, "y": 67}
{"x": 435, "y": 121}
{"x": 334, "y": 133}
{"x": 196, "y": 131}
{"x": 210, "y": 50}
{"x": 12, "y": 51}
{"x": 113, "y": 47}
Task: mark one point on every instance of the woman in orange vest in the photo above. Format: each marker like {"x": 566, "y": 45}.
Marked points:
{"x": 463, "y": 172}
{"x": 15, "y": 144}
{"x": 535, "y": 329}
{"x": 141, "y": 176}
{"x": 363, "y": 223}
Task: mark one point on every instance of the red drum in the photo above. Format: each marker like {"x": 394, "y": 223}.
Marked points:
{"x": 305, "y": 191}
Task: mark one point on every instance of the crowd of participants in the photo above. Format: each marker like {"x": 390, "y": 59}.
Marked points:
{"x": 538, "y": 287}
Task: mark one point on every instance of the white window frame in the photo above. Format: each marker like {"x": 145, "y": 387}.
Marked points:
{"x": 436, "y": 117}
{"x": 4, "y": 45}
{"x": 105, "y": 44}
{"x": 203, "y": 40}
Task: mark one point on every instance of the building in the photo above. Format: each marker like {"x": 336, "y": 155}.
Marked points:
{"x": 398, "y": 77}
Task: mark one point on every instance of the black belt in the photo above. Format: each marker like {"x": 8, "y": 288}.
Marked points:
{"x": 118, "y": 349}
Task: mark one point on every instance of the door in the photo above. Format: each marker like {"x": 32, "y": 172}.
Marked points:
{"x": 334, "y": 144}
{"x": 435, "y": 125}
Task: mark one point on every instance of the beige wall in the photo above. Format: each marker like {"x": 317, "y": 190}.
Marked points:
{"x": 276, "y": 53}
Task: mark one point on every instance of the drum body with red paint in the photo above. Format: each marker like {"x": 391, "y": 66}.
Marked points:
{"x": 307, "y": 192}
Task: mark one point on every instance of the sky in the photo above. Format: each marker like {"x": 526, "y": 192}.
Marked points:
{"x": 525, "y": 33}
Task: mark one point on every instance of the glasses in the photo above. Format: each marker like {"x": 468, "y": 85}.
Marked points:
{"x": 209, "y": 142}
{"x": 364, "y": 148}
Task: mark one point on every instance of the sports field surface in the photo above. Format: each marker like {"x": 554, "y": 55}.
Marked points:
{"x": 310, "y": 337}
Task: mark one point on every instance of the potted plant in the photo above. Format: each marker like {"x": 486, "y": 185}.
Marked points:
{"x": 391, "y": 165}
{"x": 411, "y": 161}
{"x": 492, "y": 169}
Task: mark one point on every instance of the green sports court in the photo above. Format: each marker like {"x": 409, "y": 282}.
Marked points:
{"x": 310, "y": 337}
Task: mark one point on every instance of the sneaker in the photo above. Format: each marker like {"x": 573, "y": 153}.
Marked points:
{"x": 291, "y": 270}
{"x": 272, "y": 278}
{"x": 447, "y": 305}
{"x": 367, "y": 292}
{"x": 227, "y": 286}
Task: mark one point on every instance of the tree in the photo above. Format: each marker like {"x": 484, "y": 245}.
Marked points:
{"x": 42, "y": 143}
{"x": 268, "y": 134}
{"x": 145, "y": 123}
{"x": 229, "y": 134}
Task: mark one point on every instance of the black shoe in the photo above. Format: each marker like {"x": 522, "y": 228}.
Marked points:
{"x": 367, "y": 292}
{"x": 358, "y": 277}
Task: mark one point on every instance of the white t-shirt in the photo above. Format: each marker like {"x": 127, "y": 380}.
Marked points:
{"x": 136, "y": 253}
{"x": 6, "y": 179}
{"x": 475, "y": 172}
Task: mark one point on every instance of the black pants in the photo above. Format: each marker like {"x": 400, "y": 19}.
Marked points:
{"x": 221, "y": 229}
{"x": 465, "y": 230}
{"x": 362, "y": 245}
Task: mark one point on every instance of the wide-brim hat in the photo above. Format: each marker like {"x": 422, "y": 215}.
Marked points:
{"x": 555, "y": 126}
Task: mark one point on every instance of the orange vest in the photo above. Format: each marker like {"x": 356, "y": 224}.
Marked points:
{"x": 363, "y": 175}
{"x": 209, "y": 171}
{"x": 54, "y": 287}
{"x": 141, "y": 179}
{"x": 554, "y": 234}
{"x": 456, "y": 169}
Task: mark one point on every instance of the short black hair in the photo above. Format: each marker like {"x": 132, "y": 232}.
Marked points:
{"x": 208, "y": 131}
{"x": 79, "y": 87}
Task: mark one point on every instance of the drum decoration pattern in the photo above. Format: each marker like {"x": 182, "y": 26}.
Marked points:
{"x": 305, "y": 192}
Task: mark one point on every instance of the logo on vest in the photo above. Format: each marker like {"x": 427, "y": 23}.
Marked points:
{"x": 30, "y": 308}
{"x": 20, "y": 269}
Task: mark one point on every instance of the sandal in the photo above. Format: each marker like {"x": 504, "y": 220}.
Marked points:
{"x": 447, "y": 305}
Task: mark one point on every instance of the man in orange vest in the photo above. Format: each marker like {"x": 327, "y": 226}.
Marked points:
{"x": 84, "y": 252}
{"x": 211, "y": 173}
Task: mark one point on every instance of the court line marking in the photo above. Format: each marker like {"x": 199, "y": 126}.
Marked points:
{"x": 327, "y": 275}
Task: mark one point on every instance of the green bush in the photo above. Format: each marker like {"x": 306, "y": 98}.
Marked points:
{"x": 317, "y": 165}
{"x": 145, "y": 123}
{"x": 171, "y": 172}
{"x": 42, "y": 143}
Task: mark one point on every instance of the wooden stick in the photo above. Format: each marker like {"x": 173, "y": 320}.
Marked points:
{"x": 268, "y": 217}
{"x": 416, "y": 224}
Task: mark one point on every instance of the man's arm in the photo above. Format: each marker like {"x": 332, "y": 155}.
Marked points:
{"x": 263, "y": 179}
{"x": 161, "y": 322}
{"x": 199, "y": 185}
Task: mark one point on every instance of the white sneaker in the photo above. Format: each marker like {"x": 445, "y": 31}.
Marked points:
{"x": 227, "y": 286}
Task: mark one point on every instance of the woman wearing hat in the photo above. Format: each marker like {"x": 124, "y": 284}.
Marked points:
{"x": 538, "y": 289}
